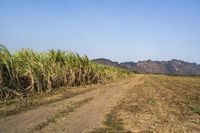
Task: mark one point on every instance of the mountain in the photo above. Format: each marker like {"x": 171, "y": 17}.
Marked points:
{"x": 106, "y": 62}
{"x": 173, "y": 67}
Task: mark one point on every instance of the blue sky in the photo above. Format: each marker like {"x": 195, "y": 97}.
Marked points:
{"x": 121, "y": 30}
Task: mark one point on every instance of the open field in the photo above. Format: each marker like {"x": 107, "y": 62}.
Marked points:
{"x": 142, "y": 103}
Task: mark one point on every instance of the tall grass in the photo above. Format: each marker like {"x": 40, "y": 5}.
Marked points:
{"x": 29, "y": 72}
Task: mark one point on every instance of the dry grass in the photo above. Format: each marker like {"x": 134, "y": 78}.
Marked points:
{"x": 112, "y": 124}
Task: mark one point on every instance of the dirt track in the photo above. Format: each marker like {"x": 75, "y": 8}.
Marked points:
{"x": 144, "y": 103}
{"x": 86, "y": 117}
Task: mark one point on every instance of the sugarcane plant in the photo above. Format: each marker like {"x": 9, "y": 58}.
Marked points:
{"x": 27, "y": 72}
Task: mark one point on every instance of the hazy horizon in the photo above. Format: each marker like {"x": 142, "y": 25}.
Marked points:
{"x": 145, "y": 60}
{"x": 129, "y": 30}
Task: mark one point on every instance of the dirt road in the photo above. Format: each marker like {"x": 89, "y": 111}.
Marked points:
{"x": 78, "y": 114}
{"x": 144, "y": 103}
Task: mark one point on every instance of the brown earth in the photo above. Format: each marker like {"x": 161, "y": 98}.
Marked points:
{"x": 144, "y": 103}
{"x": 162, "y": 104}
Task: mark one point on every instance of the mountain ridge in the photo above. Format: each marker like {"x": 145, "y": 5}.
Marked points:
{"x": 172, "y": 67}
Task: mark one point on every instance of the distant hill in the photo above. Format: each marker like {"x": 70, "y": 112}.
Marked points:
{"x": 173, "y": 67}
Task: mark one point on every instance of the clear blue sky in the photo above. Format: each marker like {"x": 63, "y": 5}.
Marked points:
{"x": 121, "y": 30}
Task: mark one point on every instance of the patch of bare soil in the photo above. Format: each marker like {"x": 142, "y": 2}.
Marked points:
{"x": 162, "y": 104}
{"x": 73, "y": 115}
